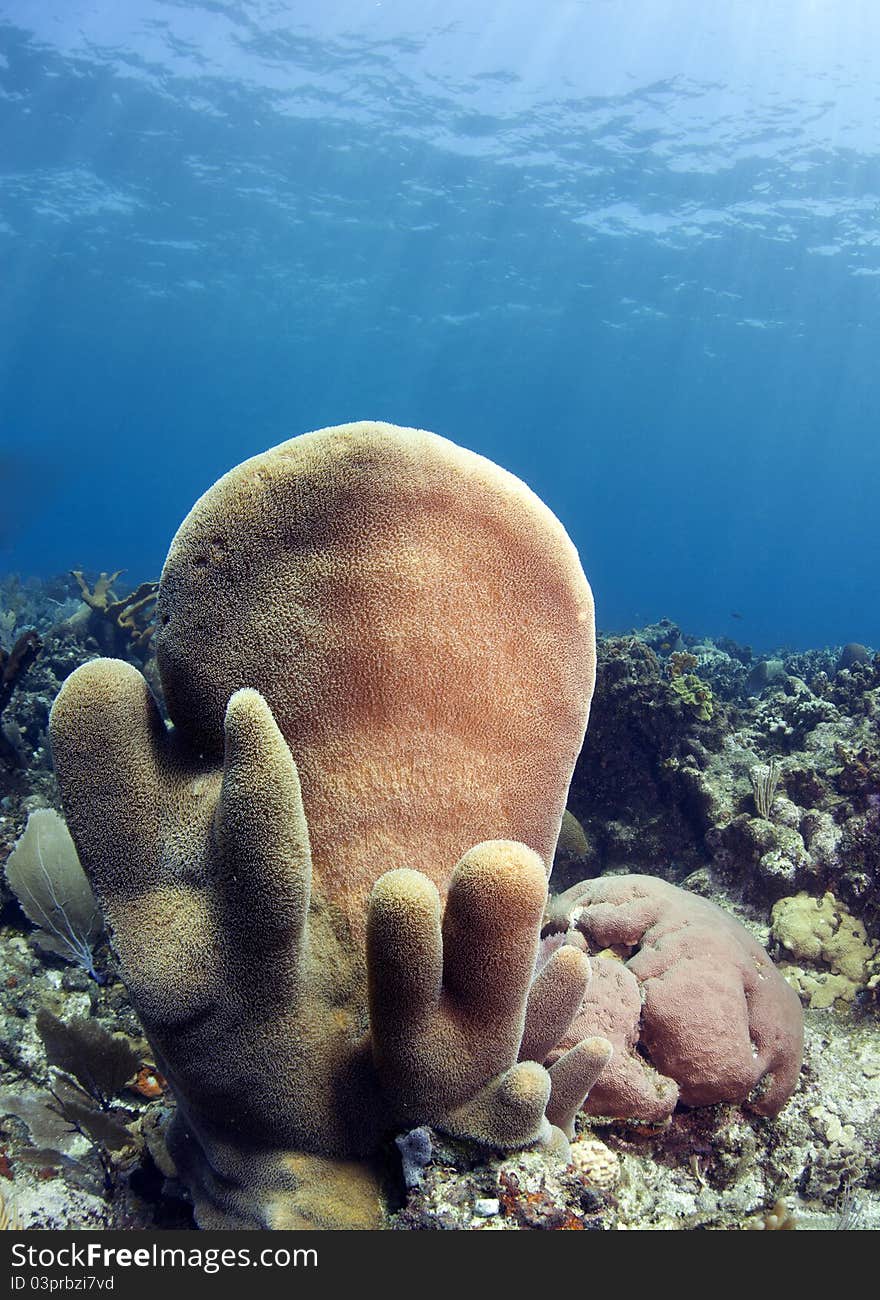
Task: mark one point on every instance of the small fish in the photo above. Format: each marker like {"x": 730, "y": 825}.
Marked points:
{"x": 734, "y": 614}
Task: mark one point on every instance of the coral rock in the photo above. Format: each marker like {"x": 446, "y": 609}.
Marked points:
{"x": 823, "y": 934}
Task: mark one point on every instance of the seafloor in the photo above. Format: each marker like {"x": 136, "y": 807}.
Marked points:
{"x": 752, "y": 780}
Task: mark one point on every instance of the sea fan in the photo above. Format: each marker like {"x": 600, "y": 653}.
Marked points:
{"x": 44, "y": 873}
{"x": 9, "y": 1220}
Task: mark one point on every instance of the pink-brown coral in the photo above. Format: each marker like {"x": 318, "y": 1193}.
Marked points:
{"x": 692, "y": 1004}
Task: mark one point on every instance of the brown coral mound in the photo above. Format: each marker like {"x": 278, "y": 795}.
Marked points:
{"x": 377, "y": 650}
{"x": 695, "y": 1010}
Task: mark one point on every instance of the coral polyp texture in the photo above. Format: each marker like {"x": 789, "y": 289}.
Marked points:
{"x": 693, "y": 1006}
{"x": 377, "y": 653}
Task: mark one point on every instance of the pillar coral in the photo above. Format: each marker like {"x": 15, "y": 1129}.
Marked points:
{"x": 377, "y": 652}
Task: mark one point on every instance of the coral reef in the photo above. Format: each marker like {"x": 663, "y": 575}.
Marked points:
{"x": 716, "y": 1167}
{"x": 412, "y": 626}
{"x": 657, "y": 790}
{"x": 651, "y": 735}
{"x": 778, "y": 790}
{"x": 63, "y": 624}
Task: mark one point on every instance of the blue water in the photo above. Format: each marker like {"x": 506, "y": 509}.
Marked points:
{"x": 628, "y": 248}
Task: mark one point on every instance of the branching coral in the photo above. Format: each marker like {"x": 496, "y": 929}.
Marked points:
{"x": 121, "y": 625}
{"x": 377, "y": 651}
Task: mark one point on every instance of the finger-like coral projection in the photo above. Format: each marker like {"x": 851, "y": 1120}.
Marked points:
{"x": 693, "y": 1006}
{"x": 377, "y": 652}
{"x": 559, "y": 988}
